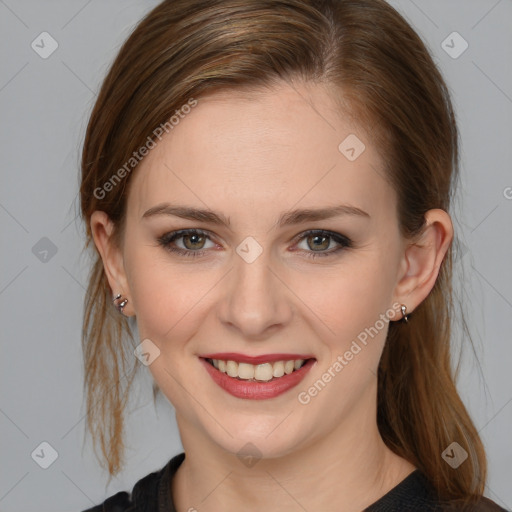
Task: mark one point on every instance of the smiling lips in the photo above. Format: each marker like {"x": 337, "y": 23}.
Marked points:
{"x": 259, "y": 377}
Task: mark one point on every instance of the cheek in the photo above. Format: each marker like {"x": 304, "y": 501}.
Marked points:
{"x": 348, "y": 298}
{"x": 166, "y": 296}
{"x": 356, "y": 305}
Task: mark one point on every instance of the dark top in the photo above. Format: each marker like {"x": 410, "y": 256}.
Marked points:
{"x": 153, "y": 494}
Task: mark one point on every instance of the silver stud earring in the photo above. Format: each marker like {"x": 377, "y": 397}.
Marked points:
{"x": 119, "y": 302}
{"x": 405, "y": 318}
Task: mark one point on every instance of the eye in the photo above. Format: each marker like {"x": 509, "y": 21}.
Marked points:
{"x": 192, "y": 241}
{"x": 318, "y": 241}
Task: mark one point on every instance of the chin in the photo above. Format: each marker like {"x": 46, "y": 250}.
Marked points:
{"x": 259, "y": 437}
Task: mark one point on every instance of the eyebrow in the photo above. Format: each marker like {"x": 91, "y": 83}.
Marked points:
{"x": 286, "y": 218}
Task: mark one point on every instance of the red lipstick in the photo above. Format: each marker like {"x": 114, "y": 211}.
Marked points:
{"x": 255, "y": 390}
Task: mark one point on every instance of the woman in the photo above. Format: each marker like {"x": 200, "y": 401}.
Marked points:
{"x": 267, "y": 186}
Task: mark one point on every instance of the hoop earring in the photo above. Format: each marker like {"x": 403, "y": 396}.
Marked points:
{"x": 405, "y": 318}
{"x": 119, "y": 302}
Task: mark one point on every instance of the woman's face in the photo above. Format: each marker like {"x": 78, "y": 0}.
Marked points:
{"x": 252, "y": 286}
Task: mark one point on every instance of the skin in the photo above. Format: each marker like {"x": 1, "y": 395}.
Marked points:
{"x": 252, "y": 157}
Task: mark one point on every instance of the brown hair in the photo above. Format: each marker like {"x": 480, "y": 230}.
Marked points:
{"x": 383, "y": 72}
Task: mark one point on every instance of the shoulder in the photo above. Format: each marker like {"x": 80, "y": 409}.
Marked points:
{"x": 416, "y": 494}
{"x": 127, "y": 502}
{"x": 145, "y": 494}
{"x": 483, "y": 505}
{"x": 117, "y": 503}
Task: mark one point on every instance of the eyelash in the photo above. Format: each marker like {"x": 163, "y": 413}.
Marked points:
{"x": 168, "y": 238}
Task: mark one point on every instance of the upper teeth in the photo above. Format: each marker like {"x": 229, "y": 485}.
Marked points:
{"x": 264, "y": 371}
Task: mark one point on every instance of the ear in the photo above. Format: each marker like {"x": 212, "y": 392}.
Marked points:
{"x": 422, "y": 259}
{"x": 102, "y": 229}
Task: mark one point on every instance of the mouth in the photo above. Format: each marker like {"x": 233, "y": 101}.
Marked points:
{"x": 265, "y": 377}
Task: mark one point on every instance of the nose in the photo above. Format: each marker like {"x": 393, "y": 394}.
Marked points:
{"x": 256, "y": 301}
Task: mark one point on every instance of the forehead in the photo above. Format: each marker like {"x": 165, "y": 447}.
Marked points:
{"x": 263, "y": 151}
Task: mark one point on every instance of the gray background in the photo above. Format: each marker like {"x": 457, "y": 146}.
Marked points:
{"x": 44, "y": 109}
